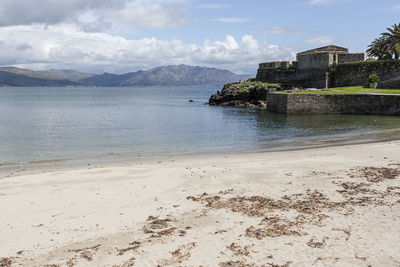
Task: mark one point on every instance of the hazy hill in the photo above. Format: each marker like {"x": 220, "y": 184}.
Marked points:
{"x": 13, "y": 79}
{"x": 176, "y": 75}
{"x": 71, "y": 75}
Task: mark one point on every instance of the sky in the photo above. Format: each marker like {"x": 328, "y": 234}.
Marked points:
{"x": 120, "y": 36}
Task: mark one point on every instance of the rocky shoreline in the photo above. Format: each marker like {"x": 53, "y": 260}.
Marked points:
{"x": 248, "y": 94}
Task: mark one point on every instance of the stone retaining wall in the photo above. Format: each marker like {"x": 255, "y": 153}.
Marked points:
{"x": 351, "y": 74}
{"x": 348, "y": 74}
{"x": 390, "y": 84}
{"x": 293, "y": 77}
{"x": 321, "y": 103}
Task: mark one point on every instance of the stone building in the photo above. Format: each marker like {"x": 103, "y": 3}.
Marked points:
{"x": 323, "y": 57}
{"x": 309, "y": 68}
{"x": 318, "y": 58}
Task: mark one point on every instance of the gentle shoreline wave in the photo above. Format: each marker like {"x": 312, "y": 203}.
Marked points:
{"x": 11, "y": 169}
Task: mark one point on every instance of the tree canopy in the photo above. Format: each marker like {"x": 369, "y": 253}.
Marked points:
{"x": 387, "y": 46}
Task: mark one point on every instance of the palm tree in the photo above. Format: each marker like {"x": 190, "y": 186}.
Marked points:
{"x": 377, "y": 48}
{"x": 392, "y": 37}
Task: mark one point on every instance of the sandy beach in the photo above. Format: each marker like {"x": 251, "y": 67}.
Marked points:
{"x": 334, "y": 206}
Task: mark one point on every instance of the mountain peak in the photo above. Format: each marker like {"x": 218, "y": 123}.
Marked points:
{"x": 170, "y": 75}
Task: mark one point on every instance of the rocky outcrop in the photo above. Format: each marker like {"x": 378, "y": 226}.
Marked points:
{"x": 242, "y": 94}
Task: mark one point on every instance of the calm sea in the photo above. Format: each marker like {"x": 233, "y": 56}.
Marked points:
{"x": 71, "y": 123}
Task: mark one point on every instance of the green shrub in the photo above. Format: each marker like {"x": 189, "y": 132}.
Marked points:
{"x": 374, "y": 78}
{"x": 387, "y": 56}
{"x": 370, "y": 59}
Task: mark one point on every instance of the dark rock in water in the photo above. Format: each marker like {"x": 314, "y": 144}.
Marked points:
{"x": 190, "y": 100}
{"x": 245, "y": 94}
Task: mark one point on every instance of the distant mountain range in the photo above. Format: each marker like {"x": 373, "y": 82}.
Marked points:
{"x": 175, "y": 75}
{"x": 16, "y": 79}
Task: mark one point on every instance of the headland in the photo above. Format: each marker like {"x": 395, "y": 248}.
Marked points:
{"x": 331, "y": 68}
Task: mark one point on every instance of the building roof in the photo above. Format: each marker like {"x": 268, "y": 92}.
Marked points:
{"x": 325, "y": 49}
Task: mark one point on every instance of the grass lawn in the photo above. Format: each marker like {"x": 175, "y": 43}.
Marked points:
{"x": 355, "y": 90}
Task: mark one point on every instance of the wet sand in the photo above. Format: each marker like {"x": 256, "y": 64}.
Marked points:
{"x": 326, "y": 206}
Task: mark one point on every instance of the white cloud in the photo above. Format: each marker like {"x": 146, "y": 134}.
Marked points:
{"x": 213, "y": 6}
{"x": 237, "y": 56}
{"x": 66, "y": 46}
{"x": 319, "y": 2}
{"x": 321, "y": 40}
{"x": 281, "y": 30}
{"x": 26, "y": 12}
{"x": 233, "y": 20}
{"x": 143, "y": 13}
{"x": 154, "y": 15}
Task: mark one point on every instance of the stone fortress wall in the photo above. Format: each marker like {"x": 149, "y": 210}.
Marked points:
{"x": 314, "y": 61}
{"x": 348, "y": 58}
{"x": 344, "y": 74}
{"x": 291, "y": 77}
{"x": 309, "y": 68}
{"x": 351, "y": 74}
{"x": 343, "y": 69}
{"x": 325, "y": 103}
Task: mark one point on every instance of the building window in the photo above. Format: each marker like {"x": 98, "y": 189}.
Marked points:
{"x": 334, "y": 58}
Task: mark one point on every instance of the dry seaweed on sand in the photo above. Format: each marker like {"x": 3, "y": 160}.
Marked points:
{"x": 310, "y": 202}
{"x": 71, "y": 262}
{"x": 241, "y": 263}
{"x": 162, "y": 227}
{"x": 95, "y": 248}
{"x": 309, "y": 205}
{"x": 87, "y": 255}
{"x": 179, "y": 255}
{"x": 360, "y": 257}
{"x": 287, "y": 264}
{"x": 317, "y": 244}
{"x": 258, "y": 206}
{"x": 239, "y": 250}
{"x": 155, "y": 223}
{"x": 84, "y": 253}
{"x": 376, "y": 174}
{"x": 351, "y": 188}
{"x": 134, "y": 246}
{"x": 158, "y": 227}
{"x": 6, "y": 262}
{"x": 237, "y": 263}
{"x": 128, "y": 263}
{"x": 273, "y": 227}
{"x": 345, "y": 231}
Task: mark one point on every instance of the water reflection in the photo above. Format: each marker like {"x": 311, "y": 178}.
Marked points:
{"x": 272, "y": 129}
